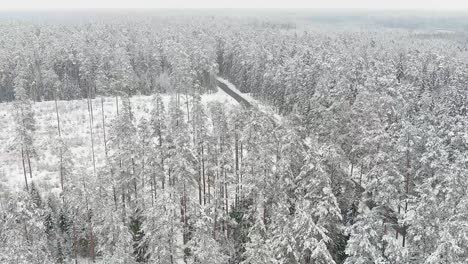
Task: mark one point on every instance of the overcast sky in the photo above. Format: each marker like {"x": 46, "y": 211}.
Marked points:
{"x": 367, "y": 4}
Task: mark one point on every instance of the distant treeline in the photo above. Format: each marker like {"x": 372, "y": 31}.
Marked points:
{"x": 79, "y": 60}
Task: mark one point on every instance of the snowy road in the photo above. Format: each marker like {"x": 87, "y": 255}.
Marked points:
{"x": 231, "y": 92}
{"x": 246, "y": 100}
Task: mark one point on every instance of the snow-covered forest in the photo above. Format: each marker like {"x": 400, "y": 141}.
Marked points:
{"x": 323, "y": 146}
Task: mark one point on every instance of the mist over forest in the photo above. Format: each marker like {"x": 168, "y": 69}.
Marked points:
{"x": 237, "y": 136}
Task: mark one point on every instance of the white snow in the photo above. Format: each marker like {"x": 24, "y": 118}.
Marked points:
{"x": 74, "y": 122}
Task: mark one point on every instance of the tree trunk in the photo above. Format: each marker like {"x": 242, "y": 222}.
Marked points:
{"x": 184, "y": 215}
{"x": 91, "y": 249}
{"x": 236, "y": 146}
{"x": 226, "y": 198}
{"x": 360, "y": 177}
{"x": 203, "y": 175}
{"x": 208, "y": 187}
{"x": 216, "y": 198}
{"x": 124, "y": 210}
{"x": 153, "y": 188}
{"x": 104, "y": 125}
{"x": 396, "y": 231}
{"x": 407, "y": 187}
{"x": 106, "y": 151}
{"x": 384, "y": 244}
{"x": 24, "y": 170}
{"x": 134, "y": 180}
{"x": 117, "y": 104}
{"x": 226, "y": 195}
{"x": 60, "y": 137}
{"x": 200, "y": 180}
{"x": 91, "y": 105}
{"x": 199, "y": 185}
{"x": 74, "y": 243}
{"x": 154, "y": 183}
{"x": 241, "y": 163}
{"x": 115, "y": 196}
{"x": 29, "y": 163}
{"x": 188, "y": 108}
{"x": 61, "y": 168}
{"x": 91, "y": 135}
{"x": 58, "y": 117}
{"x": 26, "y": 233}
{"x": 91, "y": 237}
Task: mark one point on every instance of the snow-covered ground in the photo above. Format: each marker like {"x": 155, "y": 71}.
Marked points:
{"x": 74, "y": 122}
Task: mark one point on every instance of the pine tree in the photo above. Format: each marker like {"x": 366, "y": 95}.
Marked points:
{"x": 158, "y": 151}
{"x": 181, "y": 162}
{"x": 204, "y": 248}
{"x": 365, "y": 245}
{"x": 121, "y": 154}
{"x": 24, "y": 119}
{"x": 258, "y": 250}
{"x": 200, "y": 134}
{"x": 305, "y": 227}
{"x": 140, "y": 247}
{"x": 162, "y": 228}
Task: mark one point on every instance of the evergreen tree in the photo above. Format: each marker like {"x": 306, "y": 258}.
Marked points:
{"x": 25, "y": 124}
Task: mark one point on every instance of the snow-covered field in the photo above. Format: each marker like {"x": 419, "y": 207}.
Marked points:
{"x": 74, "y": 122}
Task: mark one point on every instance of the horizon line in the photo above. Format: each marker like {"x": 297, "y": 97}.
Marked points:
{"x": 302, "y": 9}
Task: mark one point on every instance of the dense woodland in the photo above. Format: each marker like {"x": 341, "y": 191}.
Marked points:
{"x": 363, "y": 159}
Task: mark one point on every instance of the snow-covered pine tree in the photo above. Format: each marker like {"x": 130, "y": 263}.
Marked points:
{"x": 204, "y": 248}
{"x": 180, "y": 167}
{"x": 316, "y": 213}
{"x": 121, "y": 155}
{"x": 199, "y": 135}
{"x": 25, "y": 124}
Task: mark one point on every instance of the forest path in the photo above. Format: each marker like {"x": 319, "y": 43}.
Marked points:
{"x": 226, "y": 86}
{"x": 247, "y": 101}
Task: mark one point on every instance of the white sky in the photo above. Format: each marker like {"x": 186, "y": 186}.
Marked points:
{"x": 368, "y": 4}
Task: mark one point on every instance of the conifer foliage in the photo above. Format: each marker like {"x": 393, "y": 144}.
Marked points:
{"x": 353, "y": 148}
